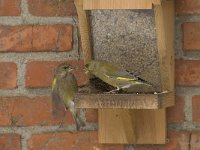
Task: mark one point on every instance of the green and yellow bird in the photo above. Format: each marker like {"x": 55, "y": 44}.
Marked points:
{"x": 64, "y": 87}
{"x": 114, "y": 75}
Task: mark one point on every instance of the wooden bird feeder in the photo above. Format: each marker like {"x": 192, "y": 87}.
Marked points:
{"x": 132, "y": 118}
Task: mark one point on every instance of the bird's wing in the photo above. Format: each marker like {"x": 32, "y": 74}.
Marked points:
{"x": 57, "y": 104}
{"x": 55, "y": 95}
{"x": 74, "y": 83}
{"x": 118, "y": 73}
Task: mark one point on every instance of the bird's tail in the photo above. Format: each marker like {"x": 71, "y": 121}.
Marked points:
{"x": 79, "y": 121}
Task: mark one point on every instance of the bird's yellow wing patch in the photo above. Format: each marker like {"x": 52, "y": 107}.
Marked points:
{"x": 125, "y": 79}
{"x": 54, "y": 83}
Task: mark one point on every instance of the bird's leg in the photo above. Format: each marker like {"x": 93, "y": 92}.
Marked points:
{"x": 113, "y": 91}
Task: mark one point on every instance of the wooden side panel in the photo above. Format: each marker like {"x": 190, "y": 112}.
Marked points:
{"x": 169, "y": 25}
{"x": 132, "y": 126}
{"x": 164, "y": 18}
{"x": 119, "y": 4}
{"x": 84, "y": 26}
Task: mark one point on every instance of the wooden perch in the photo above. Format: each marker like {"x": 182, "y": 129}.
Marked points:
{"x": 125, "y": 101}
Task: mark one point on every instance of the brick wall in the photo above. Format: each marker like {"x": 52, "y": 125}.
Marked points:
{"x": 26, "y": 71}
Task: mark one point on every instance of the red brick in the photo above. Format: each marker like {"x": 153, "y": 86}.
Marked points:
{"x": 191, "y": 34}
{"x": 69, "y": 141}
{"x": 10, "y": 142}
{"x": 187, "y": 6}
{"x": 91, "y": 115}
{"x": 176, "y": 113}
{"x": 187, "y": 73}
{"x": 8, "y": 75}
{"x": 40, "y": 74}
{"x": 178, "y": 141}
{"x": 195, "y": 141}
{"x": 52, "y": 7}
{"x": 10, "y": 7}
{"x": 196, "y": 108}
{"x": 26, "y": 111}
{"x": 35, "y": 38}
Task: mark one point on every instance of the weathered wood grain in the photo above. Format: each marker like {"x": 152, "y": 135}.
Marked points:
{"x": 125, "y": 101}
{"x": 119, "y": 4}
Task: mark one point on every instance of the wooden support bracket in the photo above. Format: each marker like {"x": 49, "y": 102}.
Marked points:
{"x": 135, "y": 123}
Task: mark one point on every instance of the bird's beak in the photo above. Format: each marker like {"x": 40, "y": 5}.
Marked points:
{"x": 85, "y": 70}
{"x": 71, "y": 69}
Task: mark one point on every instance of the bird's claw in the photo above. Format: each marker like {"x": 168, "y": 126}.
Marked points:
{"x": 113, "y": 91}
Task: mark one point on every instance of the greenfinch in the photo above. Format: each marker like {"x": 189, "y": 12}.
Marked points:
{"x": 64, "y": 87}
{"x": 114, "y": 75}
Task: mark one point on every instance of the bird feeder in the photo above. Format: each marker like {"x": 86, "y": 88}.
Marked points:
{"x": 132, "y": 118}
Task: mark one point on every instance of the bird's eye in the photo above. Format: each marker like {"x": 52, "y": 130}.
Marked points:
{"x": 65, "y": 67}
